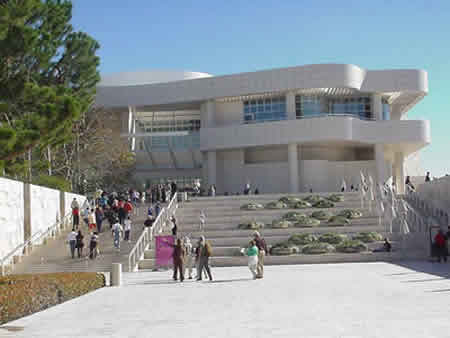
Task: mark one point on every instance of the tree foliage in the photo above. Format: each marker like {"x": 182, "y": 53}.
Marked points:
{"x": 48, "y": 74}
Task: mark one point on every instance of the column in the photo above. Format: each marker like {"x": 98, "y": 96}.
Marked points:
{"x": 377, "y": 107}
{"x": 290, "y": 106}
{"x": 62, "y": 207}
{"x": 380, "y": 163}
{"x": 212, "y": 168}
{"x": 399, "y": 167}
{"x": 293, "y": 167}
{"x": 210, "y": 113}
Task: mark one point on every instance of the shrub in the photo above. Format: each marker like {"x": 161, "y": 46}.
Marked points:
{"x": 313, "y": 199}
{"x": 22, "y": 295}
{"x": 252, "y": 206}
{"x": 281, "y": 224}
{"x": 338, "y": 221}
{"x": 350, "y": 213}
{"x": 300, "y": 205}
{"x": 323, "y": 204}
{"x": 252, "y": 225}
{"x": 276, "y": 205}
{"x": 351, "y": 246}
{"x": 302, "y": 239}
{"x": 336, "y": 198}
{"x": 332, "y": 238}
{"x": 289, "y": 200}
{"x": 368, "y": 237}
{"x": 322, "y": 215}
{"x": 283, "y": 249}
{"x": 317, "y": 248}
{"x": 294, "y": 216}
{"x": 306, "y": 222}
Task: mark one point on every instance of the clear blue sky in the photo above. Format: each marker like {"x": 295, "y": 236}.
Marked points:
{"x": 223, "y": 37}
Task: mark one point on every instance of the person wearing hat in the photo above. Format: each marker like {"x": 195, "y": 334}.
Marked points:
{"x": 204, "y": 252}
{"x": 262, "y": 250}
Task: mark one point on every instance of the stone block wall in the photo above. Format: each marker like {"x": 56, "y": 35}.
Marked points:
{"x": 11, "y": 215}
{"x": 26, "y": 210}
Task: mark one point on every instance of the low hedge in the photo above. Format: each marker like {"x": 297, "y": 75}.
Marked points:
{"x": 22, "y": 295}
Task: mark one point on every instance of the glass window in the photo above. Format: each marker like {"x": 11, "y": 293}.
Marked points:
{"x": 307, "y": 106}
{"x": 386, "y": 111}
{"x": 268, "y": 109}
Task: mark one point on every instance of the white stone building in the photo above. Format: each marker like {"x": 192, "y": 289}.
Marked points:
{"x": 292, "y": 129}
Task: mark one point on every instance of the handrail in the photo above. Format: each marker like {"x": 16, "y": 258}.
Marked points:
{"x": 33, "y": 239}
{"x": 146, "y": 238}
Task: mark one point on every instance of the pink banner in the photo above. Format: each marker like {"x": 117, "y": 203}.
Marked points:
{"x": 164, "y": 251}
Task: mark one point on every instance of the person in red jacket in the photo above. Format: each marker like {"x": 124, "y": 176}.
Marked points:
{"x": 440, "y": 243}
{"x": 128, "y": 207}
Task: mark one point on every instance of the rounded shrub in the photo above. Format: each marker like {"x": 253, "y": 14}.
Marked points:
{"x": 301, "y": 205}
{"x": 294, "y": 216}
{"x": 289, "y": 200}
{"x": 276, "y": 205}
{"x": 368, "y": 237}
{"x": 322, "y": 215}
{"x": 350, "y": 213}
{"x": 351, "y": 246}
{"x": 317, "y": 248}
{"x": 336, "y": 198}
{"x": 252, "y": 206}
{"x": 307, "y": 222}
{"x": 302, "y": 239}
{"x": 283, "y": 249}
{"x": 332, "y": 238}
{"x": 313, "y": 199}
{"x": 338, "y": 221}
{"x": 251, "y": 225}
{"x": 323, "y": 204}
{"x": 281, "y": 224}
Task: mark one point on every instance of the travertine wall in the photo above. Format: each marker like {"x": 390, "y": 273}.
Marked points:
{"x": 45, "y": 208}
{"x": 18, "y": 201}
{"x": 11, "y": 215}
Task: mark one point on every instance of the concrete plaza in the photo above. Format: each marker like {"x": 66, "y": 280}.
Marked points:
{"x": 322, "y": 300}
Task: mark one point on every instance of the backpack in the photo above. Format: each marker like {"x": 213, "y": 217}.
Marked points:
{"x": 208, "y": 249}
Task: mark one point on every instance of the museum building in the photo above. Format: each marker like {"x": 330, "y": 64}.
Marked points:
{"x": 291, "y": 129}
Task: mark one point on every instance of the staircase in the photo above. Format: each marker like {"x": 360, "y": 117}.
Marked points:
{"x": 223, "y": 214}
{"x": 54, "y": 256}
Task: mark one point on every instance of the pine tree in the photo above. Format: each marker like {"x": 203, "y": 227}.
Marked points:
{"x": 48, "y": 75}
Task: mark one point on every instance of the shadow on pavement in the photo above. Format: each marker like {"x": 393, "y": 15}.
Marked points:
{"x": 168, "y": 282}
{"x": 443, "y": 290}
{"x": 437, "y": 269}
{"x": 423, "y": 280}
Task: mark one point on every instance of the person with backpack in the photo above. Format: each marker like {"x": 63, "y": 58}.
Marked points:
{"x": 204, "y": 252}
{"x": 262, "y": 252}
{"x": 93, "y": 246}
{"x": 76, "y": 217}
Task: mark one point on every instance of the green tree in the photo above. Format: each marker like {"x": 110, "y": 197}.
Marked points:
{"x": 48, "y": 75}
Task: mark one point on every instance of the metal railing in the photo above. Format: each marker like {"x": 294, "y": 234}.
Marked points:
{"x": 312, "y": 116}
{"x": 146, "y": 239}
{"x": 39, "y": 236}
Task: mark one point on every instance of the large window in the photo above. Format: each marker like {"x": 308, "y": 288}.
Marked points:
{"x": 358, "y": 106}
{"x": 386, "y": 110}
{"x": 265, "y": 109}
{"x": 306, "y": 106}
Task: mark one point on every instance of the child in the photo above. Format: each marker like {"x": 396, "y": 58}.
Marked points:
{"x": 252, "y": 253}
{"x": 127, "y": 229}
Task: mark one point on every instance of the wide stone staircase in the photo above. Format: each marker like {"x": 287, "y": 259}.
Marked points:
{"x": 223, "y": 215}
{"x": 54, "y": 255}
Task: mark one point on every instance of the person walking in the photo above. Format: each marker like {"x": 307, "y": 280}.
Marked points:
{"x": 205, "y": 251}
{"x": 99, "y": 215}
{"x": 117, "y": 231}
{"x": 72, "y": 240}
{"x": 188, "y": 257}
{"x": 127, "y": 229}
{"x": 202, "y": 219}
{"x": 91, "y": 220}
{"x": 122, "y": 214}
{"x": 439, "y": 242}
{"x": 93, "y": 246}
{"x": 75, "y": 204}
{"x": 262, "y": 251}
{"x": 174, "y": 227}
{"x": 252, "y": 253}
{"x": 427, "y": 177}
{"x": 75, "y": 217}
{"x": 79, "y": 244}
{"x": 128, "y": 208}
{"x": 178, "y": 259}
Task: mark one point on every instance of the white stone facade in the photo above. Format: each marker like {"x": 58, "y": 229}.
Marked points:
{"x": 11, "y": 215}
{"x": 45, "y": 208}
{"x": 295, "y": 151}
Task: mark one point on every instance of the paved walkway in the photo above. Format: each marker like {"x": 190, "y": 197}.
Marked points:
{"x": 335, "y": 300}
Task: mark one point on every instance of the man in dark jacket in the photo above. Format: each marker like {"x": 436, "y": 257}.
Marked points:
{"x": 178, "y": 259}
{"x": 262, "y": 251}
{"x": 204, "y": 252}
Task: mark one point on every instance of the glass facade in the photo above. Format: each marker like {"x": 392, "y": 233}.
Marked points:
{"x": 165, "y": 143}
{"x": 265, "y": 109}
{"x": 358, "y": 106}
{"x": 386, "y": 110}
{"x": 306, "y": 106}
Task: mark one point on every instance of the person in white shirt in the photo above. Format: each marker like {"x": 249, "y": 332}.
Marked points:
{"x": 127, "y": 228}
{"x": 117, "y": 231}
{"x": 189, "y": 256}
{"x": 72, "y": 240}
{"x": 202, "y": 218}
{"x": 75, "y": 204}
